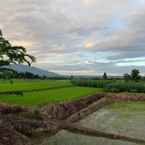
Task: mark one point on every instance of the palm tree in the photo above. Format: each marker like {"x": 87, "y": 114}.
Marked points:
{"x": 13, "y": 54}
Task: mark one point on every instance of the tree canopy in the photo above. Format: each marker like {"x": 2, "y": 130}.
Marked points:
{"x": 135, "y": 74}
{"x": 105, "y": 76}
{"x": 13, "y": 54}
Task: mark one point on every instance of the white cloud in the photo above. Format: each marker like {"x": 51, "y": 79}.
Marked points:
{"x": 58, "y": 31}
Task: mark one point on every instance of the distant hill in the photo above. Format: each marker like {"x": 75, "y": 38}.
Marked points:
{"x": 34, "y": 70}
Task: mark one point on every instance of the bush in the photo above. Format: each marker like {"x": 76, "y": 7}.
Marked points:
{"x": 125, "y": 87}
{"x": 91, "y": 83}
{"x": 113, "y": 85}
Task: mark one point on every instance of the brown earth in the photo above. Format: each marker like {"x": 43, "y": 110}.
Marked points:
{"x": 19, "y": 125}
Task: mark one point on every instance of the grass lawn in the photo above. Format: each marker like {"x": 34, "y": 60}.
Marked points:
{"x": 50, "y": 96}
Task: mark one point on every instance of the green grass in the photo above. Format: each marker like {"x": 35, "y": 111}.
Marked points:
{"x": 127, "y": 112}
{"x": 128, "y": 107}
{"x": 23, "y": 85}
{"x": 49, "y": 96}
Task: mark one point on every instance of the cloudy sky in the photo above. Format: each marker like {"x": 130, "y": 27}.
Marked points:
{"x": 78, "y": 36}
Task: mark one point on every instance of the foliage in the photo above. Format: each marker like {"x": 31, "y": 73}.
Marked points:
{"x": 112, "y": 85}
{"x": 7, "y": 73}
{"x": 125, "y": 87}
{"x": 127, "y": 77}
{"x": 105, "y": 76}
{"x": 13, "y": 54}
{"x": 135, "y": 75}
{"x": 91, "y": 83}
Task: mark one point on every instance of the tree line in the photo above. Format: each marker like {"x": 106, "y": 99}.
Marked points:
{"x": 134, "y": 75}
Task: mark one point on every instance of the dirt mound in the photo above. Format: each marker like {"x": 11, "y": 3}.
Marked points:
{"x": 7, "y": 109}
{"x": 128, "y": 97}
{"x": 63, "y": 110}
{"x": 19, "y": 125}
{"x": 16, "y": 124}
{"x": 8, "y": 136}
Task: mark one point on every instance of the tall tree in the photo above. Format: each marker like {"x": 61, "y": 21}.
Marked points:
{"x": 105, "y": 76}
{"x": 13, "y": 54}
{"x": 135, "y": 75}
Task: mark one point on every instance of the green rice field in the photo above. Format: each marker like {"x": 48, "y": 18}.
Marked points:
{"x": 54, "y": 91}
{"x": 25, "y": 85}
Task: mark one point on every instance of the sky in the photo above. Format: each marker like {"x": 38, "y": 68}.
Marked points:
{"x": 78, "y": 37}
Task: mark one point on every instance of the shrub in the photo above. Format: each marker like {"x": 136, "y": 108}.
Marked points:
{"x": 92, "y": 83}
{"x": 125, "y": 87}
{"x": 113, "y": 85}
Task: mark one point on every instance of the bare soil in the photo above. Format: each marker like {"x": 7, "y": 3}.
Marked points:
{"x": 108, "y": 120}
{"x": 18, "y": 124}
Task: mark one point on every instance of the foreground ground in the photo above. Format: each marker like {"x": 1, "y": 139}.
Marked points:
{"x": 123, "y": 118}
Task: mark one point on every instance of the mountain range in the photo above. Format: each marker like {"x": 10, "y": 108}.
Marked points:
{"x": 34, "y": 70}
